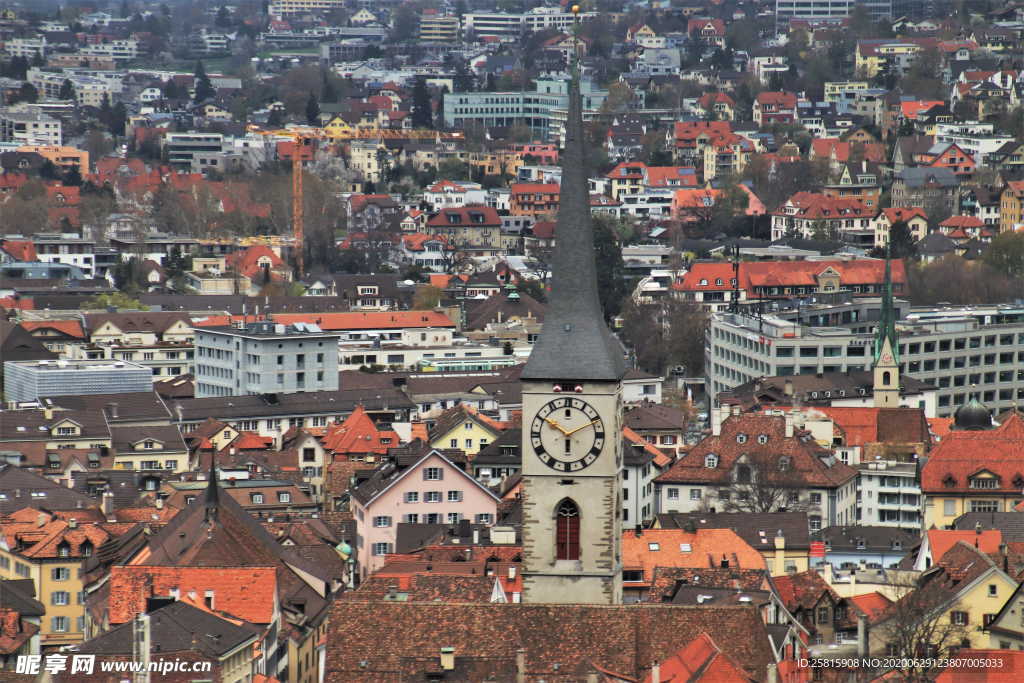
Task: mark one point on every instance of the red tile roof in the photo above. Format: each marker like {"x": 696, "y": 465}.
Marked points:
{"x": 358, "y": 434}
{"x": 247, "y": 261}
{"x": 20, "y": 250}
{"x": 896, "y": 214}
{"x": 813, "y": 206}
{"x": 700, "y": 660}
{"x": 660, "y": 459}
{"x": 248, "y": 593}
{"x": 787, "y": 274}
{"x": 741, "y": 435}
{"x": 941, "y": 541}
{"x": 871, "y": 604}
{"x": 71, "y": 328}
{"x": 473, "y": 216}
{"x": 962, "y": 222}
{"x": 963, "y": 454}
{"x": 783, "y": 100}
{"x": 534, "y": 188}
{"x": 416, "y": 241}
{"x": 704, "y": 548}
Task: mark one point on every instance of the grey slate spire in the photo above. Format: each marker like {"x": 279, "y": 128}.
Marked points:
{"x": 575, "y": 343}
{"x": 212, "y": 498}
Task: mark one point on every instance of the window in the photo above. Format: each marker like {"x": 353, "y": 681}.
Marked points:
{"x": 453, "y": 517}
{"x": 711, "y": 461}
{"x": 567, "y": 531}
{"x": 484, "y": 518}
{"x": 60, "y": 573}
{"x": 283, "y": 497}
{"x": 695, "y": 494}
{"x": 412, "y": 496}
{"x": 992, "y": 590}
{"x": 743, "y": 474}
{"x": 949, "y": 507}
{"x": 823, "y": 615}
{"x": 382, "y": 522}
{"x": 984, "y": 506}
{"x": 958, "y": 618}
{"x": 433, "y": 497}
{"x": 256, "y": 498}
{"x": 741, "y": 438}
{"x": 59, "y": 624}
{"x": 433, "y": 474}
{"x": 784, "y": 463}
{"x": 60, "y": 598}
{"x": 815, "y": 499}
{"x": 762, "y": 438}
{"x": 381, "y": 548}
{"x": 672, "y": 494}
{"x": 455, "y": 496}
{"x": 411, "y": 518}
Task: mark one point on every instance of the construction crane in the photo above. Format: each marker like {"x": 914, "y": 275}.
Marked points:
{"x": 303, "y": 152}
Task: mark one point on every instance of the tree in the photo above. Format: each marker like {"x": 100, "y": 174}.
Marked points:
{"x": 901, "y": 241}
{"x": 405, "y": 24}
{"x": 119, "y": 300}
{"x": 37, "y": 59}
{"x": 918, "y": 630}
{"x": 276, "y": 118}
{"x": 67, "y": 91}
{"x": 27, "y": 93}
{"x": 765, "y": 482}
{"x": 422, "y": 112}
{"x": 665, "y": 334}
{"x": 1005, "y": 254}
{"x": 957, "y": 281}
{"x": 312, "y": 110}
{"x": 204, "y": 88}
{"x": 611, "y": 285}
{"x": 427, "y": 298}
{"x": 118, "y": 119}
{"x": 223, "y": 19}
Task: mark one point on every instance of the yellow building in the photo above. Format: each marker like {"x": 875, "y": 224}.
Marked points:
{"x": 36, "y": 545}
{"x": 974, "y": 469}
{"x": 61, "y": 156}
{"x": 1011, "y": 206}
{"x": 463, "y": 428}
{"x": 439, "y": 29}
{"x": 956, "y": 601}
{"x": 871, "y": 55}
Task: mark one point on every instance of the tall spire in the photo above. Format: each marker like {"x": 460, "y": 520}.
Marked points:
{"x": 887, "y": 318}
{"x": 212, "y": 499}
{"x": 575, "y": 343}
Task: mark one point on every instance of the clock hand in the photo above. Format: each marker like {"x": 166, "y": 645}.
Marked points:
{"x": 589, "y": 424}
{"x": 557, "y": 426}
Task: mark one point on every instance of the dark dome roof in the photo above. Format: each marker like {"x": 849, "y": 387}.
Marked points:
{"x": 972, "y": 415}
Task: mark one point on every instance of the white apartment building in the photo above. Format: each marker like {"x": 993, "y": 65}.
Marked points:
{"x": 88, "y": 91}
{"x": 280, "y": 8}
{"x": 25, "y": 47}
{"x": 959, "y": 351}
{"x": 977, "y": 139}
{"x": 27, "y": 125}
{"x": 118, "y": 50}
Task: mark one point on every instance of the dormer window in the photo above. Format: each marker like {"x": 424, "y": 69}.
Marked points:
{"x": 762, "y": 439}
{"x": 984, "y": 483}
{"x": 741, "y": 438}
{"x": 949, "y": 481}
{"x": 711, "y": 461}
{"x": 784, "y": 463}
{"x": 63, "y": 550}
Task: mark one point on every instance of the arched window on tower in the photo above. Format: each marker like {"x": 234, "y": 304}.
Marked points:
{"x": 886, "y": 378}
{"x": 567, "y": 531}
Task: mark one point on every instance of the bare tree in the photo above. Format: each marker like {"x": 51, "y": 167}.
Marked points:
{"x": 924, "y": 624}
{"x": 665, "y": 334}
{"x": 766, "y": 482}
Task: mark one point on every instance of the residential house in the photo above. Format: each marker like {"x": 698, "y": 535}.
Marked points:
{"x": 431, "y": 489}
{"x": 914, "y": 217}
{"x": 927, "y": 188}
{"x": 465, "y": 428}
{"x": 820, "y": 216}
{"x": 974, "y": 468}
{"x": 750, "y": 453}
{"x": 539, "y": 200}
{"x": 1011, "y": 207}
{"x": 774, "y": 107}
{"x": 473, "y": 230}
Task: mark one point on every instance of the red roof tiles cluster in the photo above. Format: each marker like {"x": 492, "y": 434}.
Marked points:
{"x": 961, "y": 455}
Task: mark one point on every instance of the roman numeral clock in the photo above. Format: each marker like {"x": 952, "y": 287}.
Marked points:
{"x": 567, "y": 434}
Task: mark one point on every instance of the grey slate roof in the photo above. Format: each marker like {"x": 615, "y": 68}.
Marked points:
{"x": 178, "y": 627}
{"x": 747, "y": 526}
{"x": 875, "y": 538}
{"x": 920, "y": 176}
{"x": 20, "y": 595}
{"x": 575, "y": 343}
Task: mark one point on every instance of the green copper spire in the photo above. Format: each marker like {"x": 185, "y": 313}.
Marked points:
{"x": 887, "y": 319}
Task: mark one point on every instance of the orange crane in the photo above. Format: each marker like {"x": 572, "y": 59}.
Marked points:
{"x": 303, "y": 152}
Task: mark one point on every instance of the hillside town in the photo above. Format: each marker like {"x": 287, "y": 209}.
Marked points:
{"x": 511, "y": 340}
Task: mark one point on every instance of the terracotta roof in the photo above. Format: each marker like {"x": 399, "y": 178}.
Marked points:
{"x": 701, "y": 549}
{"x": 70, "y": 328}
{"x": 700, "y": 660}
{"x": 741, "y": 435}
{"x": 785, "y": 100}
{"x": 659, "y": 458}
{"x": 20, "y": 250}
{"x": 896, "y": 214}
{"x": 940, "y": 541}
{"x": 534, "y": 188}
{"x": 962, "y": 222}
{"x": 963, "y": 454}
{"x": 358, "y": 434}
{"x": 802, "y": 590}
{"x": 472, "y": 216}
{"x": 580, "y": 639}
{"x": 871, "y": 604}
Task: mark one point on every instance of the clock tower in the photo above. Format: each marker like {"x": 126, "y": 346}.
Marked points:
{"x": 572, "y": 407}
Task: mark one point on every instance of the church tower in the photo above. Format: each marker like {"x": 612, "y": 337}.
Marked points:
{"x": 572, "y": 408}
{"x": 887, "y": 359}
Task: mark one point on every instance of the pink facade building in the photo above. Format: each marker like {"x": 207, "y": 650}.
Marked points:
{"x": 433, "y": 490}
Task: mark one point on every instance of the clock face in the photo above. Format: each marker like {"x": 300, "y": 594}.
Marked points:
{"x": 567, "y": 434}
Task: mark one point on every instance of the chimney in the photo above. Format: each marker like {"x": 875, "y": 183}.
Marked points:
{"x": 977, "y": 528}
{"x": 107, "y": 503}
{"x": 780, "y": 553}
{"x": 72, "y": 523}
{"x": 521, "y": 665}
{"x": 476, "y": 537}
{"x": 773, "y": 674}
{"x": 448, "y": 658}
{"x": 47, "y": 413}
{"x": 159, "y": 503}
{"x": 112, "y": 410}
{"x": 511, "y": 573}
{"x": 862, "y": 636}
{"x": 789, "y": 424}
{"x": 787, "y": 387}
{"x": 656, "y": 672}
